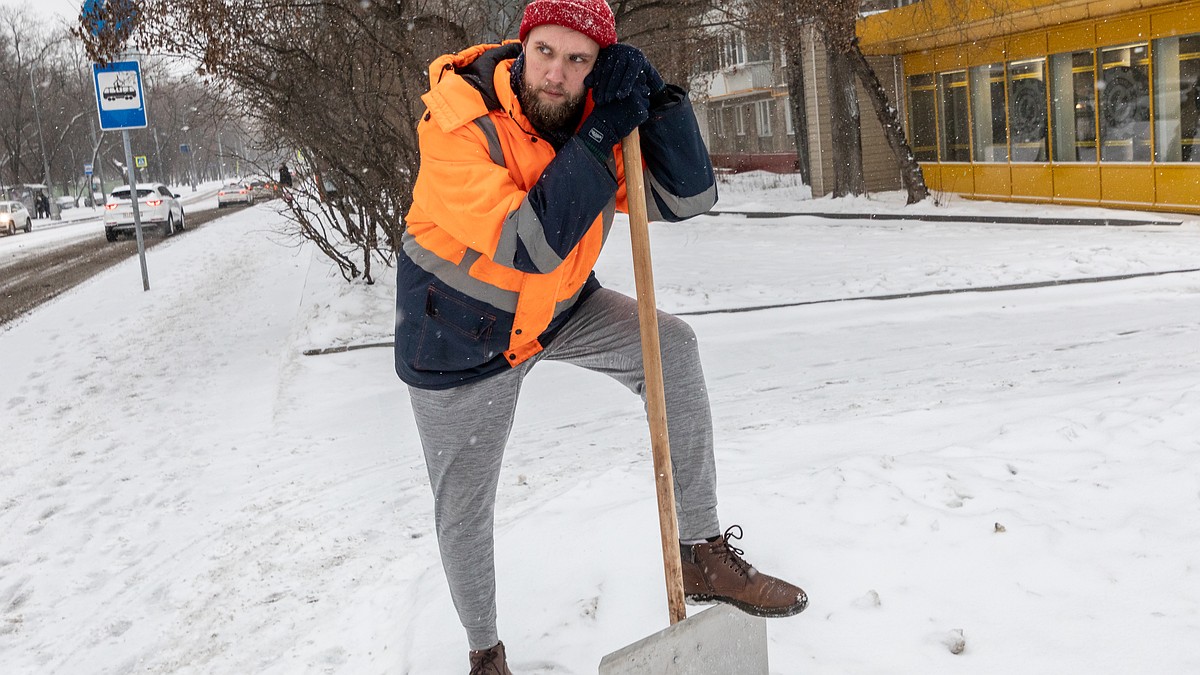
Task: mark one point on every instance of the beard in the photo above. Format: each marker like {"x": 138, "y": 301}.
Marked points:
{"x": 549, "y": 117}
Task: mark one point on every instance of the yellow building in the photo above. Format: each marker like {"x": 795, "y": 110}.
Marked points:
{"x": 1093, "y": 102}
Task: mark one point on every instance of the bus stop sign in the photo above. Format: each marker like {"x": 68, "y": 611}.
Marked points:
{"x": 119, "y": 98}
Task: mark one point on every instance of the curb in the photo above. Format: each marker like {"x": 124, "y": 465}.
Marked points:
{"x": 940, "y": 218}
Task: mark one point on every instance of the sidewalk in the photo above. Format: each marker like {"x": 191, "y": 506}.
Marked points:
{"x": 765, "y": 195}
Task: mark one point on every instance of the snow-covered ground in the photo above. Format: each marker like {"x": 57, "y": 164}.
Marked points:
{"x": 182, "y": 491}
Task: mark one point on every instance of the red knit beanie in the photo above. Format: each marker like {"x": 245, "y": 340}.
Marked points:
{"x": 593, "y": 18}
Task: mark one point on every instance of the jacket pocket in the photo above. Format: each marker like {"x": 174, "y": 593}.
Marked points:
{"x": 455, "y": 334}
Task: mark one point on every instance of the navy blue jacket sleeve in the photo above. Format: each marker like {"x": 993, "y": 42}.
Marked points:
{"x": 680, "y": 179}
{"x": 560, "y": 208}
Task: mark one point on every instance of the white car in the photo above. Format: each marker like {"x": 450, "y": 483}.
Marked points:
{"x": 157, "y": 206}
{"x": 235, "y": 193}
{"x": 14, "y": 216}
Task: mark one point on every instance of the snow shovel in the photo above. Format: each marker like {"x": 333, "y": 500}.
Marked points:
{"x": 719, "y": 640}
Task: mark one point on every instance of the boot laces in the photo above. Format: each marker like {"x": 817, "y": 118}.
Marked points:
{"x": 488, "y": 661}
{"x": 732, "y": 555}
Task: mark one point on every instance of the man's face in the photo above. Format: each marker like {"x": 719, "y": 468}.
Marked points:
{"x": 556, "y": 61}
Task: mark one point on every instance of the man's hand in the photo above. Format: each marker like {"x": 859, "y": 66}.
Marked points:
{"x": 617, "y": 71}
{"x": 609, "y": 123}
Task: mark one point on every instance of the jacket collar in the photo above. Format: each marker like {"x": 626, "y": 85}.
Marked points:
{"x": 466, "y": 85}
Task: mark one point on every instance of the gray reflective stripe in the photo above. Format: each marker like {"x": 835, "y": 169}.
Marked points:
{"x": 488, "y": 127}
{"x": 652, "y": 211}
{"x": 506, "y": 246}
{"x": 459, "y": 278}
{"x": 682, "y": 207}
{"x": 566, "y": 304}
{"x": 609, "y": 210}
{"x": 524, "y": 225}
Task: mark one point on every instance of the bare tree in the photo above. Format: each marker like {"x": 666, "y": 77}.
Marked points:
{"x": 22, "y": 47}
{"x": 835, "y": 21}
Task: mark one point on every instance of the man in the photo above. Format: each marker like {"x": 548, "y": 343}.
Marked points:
{"x": 517, "y": 189}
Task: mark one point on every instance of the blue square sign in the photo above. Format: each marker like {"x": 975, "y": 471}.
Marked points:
{"x": 119, "y": 97}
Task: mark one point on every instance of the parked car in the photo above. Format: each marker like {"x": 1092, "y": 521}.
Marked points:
{"x": 236, "y": 192}
{"x": 157, "y": 206}
{"x": 66, "y": 202}
{"x": 261, "y": 188}
{"x": 14, "y": 216}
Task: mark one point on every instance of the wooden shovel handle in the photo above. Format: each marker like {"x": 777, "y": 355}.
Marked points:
{"x": 656, "y": 401}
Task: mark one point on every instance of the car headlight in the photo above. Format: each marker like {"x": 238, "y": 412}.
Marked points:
{"x": 6, "y": 218}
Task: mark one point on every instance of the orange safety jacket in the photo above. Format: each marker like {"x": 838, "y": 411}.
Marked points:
{"x": 505, "y": 229}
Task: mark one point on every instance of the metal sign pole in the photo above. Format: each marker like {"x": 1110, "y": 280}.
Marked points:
{"x": 121, "y": 105}
{"x": 137, "y": 216}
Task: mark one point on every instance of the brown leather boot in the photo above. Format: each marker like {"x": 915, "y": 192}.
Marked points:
{"x": 489, "y": 661}
{"x": 715, "y": 572}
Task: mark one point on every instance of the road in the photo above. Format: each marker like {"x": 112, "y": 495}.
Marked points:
{"x": 32, "y": 276}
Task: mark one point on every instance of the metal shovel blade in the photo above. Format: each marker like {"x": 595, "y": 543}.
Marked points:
{"x": 717, "y": 641}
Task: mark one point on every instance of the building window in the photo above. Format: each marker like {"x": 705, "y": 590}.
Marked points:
{"x": 990, "y": 121}
{"x": 1124, "y": 90}
{"x": 718, "y": 123}
{"x": 1177, "y": 99}
{"x": 952, "y": 98}
{"x": 787, "y": 116}
{"x": 1027, "y": 110}
{"x": 922, "y": 117}
{"x": 706, "y": 61}
{"x": 764, "y": 117}
{"x": 1073, "y": 106}
{"x": 739, "y": 119}
{"x": 733, "y": 49}
{"x": 758, "y": 51}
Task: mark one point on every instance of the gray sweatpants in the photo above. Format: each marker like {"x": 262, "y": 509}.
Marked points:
{"x": 464, "y": 431}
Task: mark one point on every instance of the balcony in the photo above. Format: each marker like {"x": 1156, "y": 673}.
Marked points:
{"x": 742, "y": 78}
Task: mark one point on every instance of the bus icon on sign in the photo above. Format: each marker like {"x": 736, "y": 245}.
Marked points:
{"x": 120, "y": 101}
{"x": 119, "y": 89}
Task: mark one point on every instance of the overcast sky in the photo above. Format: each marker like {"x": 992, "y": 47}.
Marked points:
{"x": 48, "y": 9}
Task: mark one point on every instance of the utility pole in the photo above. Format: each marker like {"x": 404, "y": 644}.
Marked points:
{"x": 220, "y": 156}
{"x": 74, "y": 178}
{"x": 37, "y": 114}
{"x": 158, "y": 161}
{"x": 191, "y": 155}
{"x": 98, "y": 168}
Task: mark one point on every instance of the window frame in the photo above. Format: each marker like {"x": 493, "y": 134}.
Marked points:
{"x": 763, "y": 114}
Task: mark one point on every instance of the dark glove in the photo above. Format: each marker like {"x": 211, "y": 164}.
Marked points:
{"x": 617, "y": 71}
{"x": 611, "y": 122}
